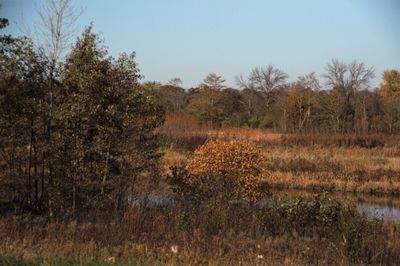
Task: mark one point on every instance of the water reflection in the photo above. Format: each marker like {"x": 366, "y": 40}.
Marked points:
{"x": 380, "y": 207}
{"x": 387, "y": 213}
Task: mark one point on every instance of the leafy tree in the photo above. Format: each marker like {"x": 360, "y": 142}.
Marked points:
{"x": 22, "y": 92}
{"x": 205, "y": 102}
{"x": 212, "y": 82}
{"x": 296, "y": 106}
{"x": 233, "y": 108}
{"x": 108, "y": 122}
{"x": 391, "y": 84}
{"x": 102, "y": 123}
{"x": 390, "y": 91}
{"x": 173, "y": 98}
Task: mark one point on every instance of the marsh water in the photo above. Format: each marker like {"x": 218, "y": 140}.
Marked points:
{"x": 380, "y": 207}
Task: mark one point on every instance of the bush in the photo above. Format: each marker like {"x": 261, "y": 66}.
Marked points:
{"x": 222, "y": 170}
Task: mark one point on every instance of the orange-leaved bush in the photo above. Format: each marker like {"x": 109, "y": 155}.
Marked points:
{"x": 230, "y": 170}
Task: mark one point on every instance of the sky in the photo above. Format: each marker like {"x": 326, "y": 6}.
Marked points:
{"x": 191, "y": 38}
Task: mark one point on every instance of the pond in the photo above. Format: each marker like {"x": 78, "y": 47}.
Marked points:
{"x": 380, "y": 207}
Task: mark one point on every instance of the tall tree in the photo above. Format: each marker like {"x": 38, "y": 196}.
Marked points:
{"x": 390, "y": 91}
{"x": 176, "y": 82}
{"x": 347, "y": 80}
{"x": 108, "y": 123}
{"x": 213, "y": 81}
{"x": 21, "y": 110}
{"x": 265, "y": 80}
{"x": 390, "y": 86}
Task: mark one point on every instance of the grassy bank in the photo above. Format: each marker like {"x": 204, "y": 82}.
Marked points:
{"x": 299, "y": 232}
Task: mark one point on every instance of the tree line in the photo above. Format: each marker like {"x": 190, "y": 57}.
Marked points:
{"x": 342, "y": 102}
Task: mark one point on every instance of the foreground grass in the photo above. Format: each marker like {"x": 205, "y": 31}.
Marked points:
{"x": 299, "y": 232}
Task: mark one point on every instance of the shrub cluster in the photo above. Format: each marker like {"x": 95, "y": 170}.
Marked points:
{"x": 222, "y": 170}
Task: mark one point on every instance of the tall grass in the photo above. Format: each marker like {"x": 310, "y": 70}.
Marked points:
{"x": 184, "y": 131}
{"x": 300, "y": 232}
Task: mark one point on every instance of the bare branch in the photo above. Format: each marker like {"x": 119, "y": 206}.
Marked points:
{"x": 56, "y": 27}
{"x": 310, "y": 81}
{"x": 264, "y": 80}
{"x": 348, "y": 77}
{"x": 240, "y": 81}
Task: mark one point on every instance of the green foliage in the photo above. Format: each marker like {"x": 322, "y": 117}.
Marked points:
{"x": 213, "y": 81}
{"x": 79, "y": 139}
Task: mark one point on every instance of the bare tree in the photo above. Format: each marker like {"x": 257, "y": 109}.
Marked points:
{"x": 176, "y": 82}
{"x": 54, "y": 32}
{"x": 310, "y": 81}
{"x": 265, "y": 80}
{"x": 56, "y": 27}
{"x": 348, "y": 78}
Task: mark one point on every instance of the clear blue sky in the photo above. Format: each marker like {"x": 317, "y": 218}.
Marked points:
{"x": 190, "y": 38}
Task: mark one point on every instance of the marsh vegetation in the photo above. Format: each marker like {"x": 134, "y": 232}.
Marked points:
{"x": 97, "y": 167}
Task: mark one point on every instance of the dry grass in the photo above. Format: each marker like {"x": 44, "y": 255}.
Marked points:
{"x": 351, "y": 169}
{"x": 186, "y": 132}
{"x": 207, "y": 235}
{"x": 369, "y": 164}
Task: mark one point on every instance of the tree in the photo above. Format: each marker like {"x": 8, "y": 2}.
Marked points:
{"x": 102, "y": 124}
{"x": 233, "y": 108}
{"x": 265, "y": 80}
{"x": 54, "y": 32}
{"x": 213, "y": 82}
{"x": 108, "y": 123}
{"x": 310, "y": 81}
{"x": 390, "y": 91}
{"x": 205, "y": 101}
{"x": 347, "y": 80}
{"x": 176, "y": 82}
{"x": 206, "y": 105}
{"x": 173, "y": 98}
{"x": 56, "y": 27}
{"x": 22, "y": 79}
{"x": 391, "y": 84}
{"x": 296, "y": 105}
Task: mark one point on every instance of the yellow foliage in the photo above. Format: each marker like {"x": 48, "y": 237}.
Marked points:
{"x": 230, "y": 168}
{"x": 391, "y": 84}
